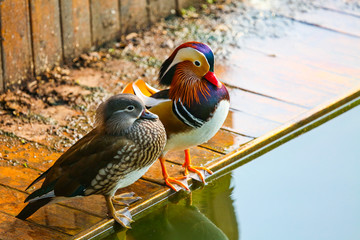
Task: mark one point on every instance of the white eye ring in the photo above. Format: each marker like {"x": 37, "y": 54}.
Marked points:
{"x": 130, "y": 108}
{"x": 197, "y": 63}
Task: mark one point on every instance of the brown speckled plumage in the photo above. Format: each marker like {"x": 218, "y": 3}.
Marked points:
{"x": 125, "y": 143}
{"x": 147, "y": 142}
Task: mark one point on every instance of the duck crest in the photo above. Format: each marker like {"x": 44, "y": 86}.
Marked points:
{"x": 166, "y": 72}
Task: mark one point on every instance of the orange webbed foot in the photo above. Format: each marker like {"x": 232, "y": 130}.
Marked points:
{"x": 177, "y": 183}
{"x": 197, "y": 173}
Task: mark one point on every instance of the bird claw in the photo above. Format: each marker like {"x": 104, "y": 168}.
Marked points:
{"x": 198, "y": 173}
{"x": 125, "y": 199}
{"x": 202, "y": 174}
{"x": 123, "y": 217}
{"x": 177, "y": 183}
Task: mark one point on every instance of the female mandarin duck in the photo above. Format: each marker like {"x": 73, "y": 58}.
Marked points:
{"x": 127, "y": 140}
{"x": 193, "y": 108}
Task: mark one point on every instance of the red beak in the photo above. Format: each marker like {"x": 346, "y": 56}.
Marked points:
{"x": 210, "y": 76}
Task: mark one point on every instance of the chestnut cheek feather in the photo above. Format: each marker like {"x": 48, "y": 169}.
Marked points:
{"x": 186, "y": 86}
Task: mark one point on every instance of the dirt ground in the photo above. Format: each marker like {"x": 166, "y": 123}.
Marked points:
{"x": 57, "y": 107}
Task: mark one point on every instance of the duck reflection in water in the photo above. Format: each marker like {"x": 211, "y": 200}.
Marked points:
{"x": 206, "y": 214}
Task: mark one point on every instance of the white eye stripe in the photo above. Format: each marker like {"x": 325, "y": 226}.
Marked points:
{"x": 119, "y": 111}
{"x": 185, "y": 54}
{"x": 126, "y": 109}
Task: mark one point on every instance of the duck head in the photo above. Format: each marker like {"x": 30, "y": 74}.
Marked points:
{"x": 188, "y": 71}
{"x": 119, "y": 112}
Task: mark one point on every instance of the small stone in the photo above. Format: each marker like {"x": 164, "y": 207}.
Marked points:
{"x": 131, "y": 36}
{"x": 167, "y": 44}
{"x": 120, "y": 45}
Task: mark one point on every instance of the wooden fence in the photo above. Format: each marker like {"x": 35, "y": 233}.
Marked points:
{"x": 38, "y": 34}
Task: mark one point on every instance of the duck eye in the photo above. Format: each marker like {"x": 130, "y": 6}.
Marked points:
{"x": 130, "y": 108}
{"x": 197, "y": 63}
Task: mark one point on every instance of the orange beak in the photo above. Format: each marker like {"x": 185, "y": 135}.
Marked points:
{"x": 210, "y": 76}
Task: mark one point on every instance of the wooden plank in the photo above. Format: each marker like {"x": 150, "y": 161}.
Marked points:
{"x": 340, "y": 22}
{"x": 248, "y": 125}
{"x": 250, "y": 78}
{"x": 310, "y": 46}
{"x": 96, "y": 204}
{"x": 263, "y": 107}
{"x": 64, "y": 219}
{"x": 154, "y": 173}
{"x": 76, "y": 30}
{"x": 2, "y": 83}
{"x": 46, "y": 34}
{"x": 225, "y": 141}
{"x": 339, "y": 6}
{"x": 105, "y": 21}
{"x": 295, "y": 73}
{"x": 160, "y": 9}
{"x": 199, "y": 156}
{"x": 16, "y": 44}
{"x": 298, "y": 83}
{"x": 134, "y": 15}
{"x": 13, "y": 228}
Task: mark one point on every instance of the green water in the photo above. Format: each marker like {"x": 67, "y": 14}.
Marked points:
{"x": 308, "y": 188}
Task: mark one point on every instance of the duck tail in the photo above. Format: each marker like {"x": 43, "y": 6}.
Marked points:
{"x": 32, "y": 207}
{"x": 144, "y": 88}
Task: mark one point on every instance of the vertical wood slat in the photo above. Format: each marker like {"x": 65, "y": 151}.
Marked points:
{"x": 46, "y": 33}
{"x": 16, "y": 44}
{"x": 76, "y": 27}
{"x": 134, "y": 15}
{"x": 105, "y": 21}
{"x": 2, "y": 84}
{"x": 37, "y": 34}
{"x": 160, "y": 8}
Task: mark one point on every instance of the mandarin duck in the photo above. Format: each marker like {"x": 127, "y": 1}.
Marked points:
{"x": 126, "y": 141}
{"x": 192, "y": 109}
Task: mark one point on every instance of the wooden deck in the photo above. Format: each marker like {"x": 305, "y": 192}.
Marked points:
{"x": 277, "y": 85}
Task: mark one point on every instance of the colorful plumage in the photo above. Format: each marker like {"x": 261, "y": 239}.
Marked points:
{"x": 192, "y": 109}
{"x": 125, "y": 143}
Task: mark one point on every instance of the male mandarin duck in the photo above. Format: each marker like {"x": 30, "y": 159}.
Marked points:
{"x": 192, "y": 109}
{"x": 126, "y": 141}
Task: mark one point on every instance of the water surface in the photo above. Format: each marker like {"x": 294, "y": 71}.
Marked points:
{"x": 308, "y": 188}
